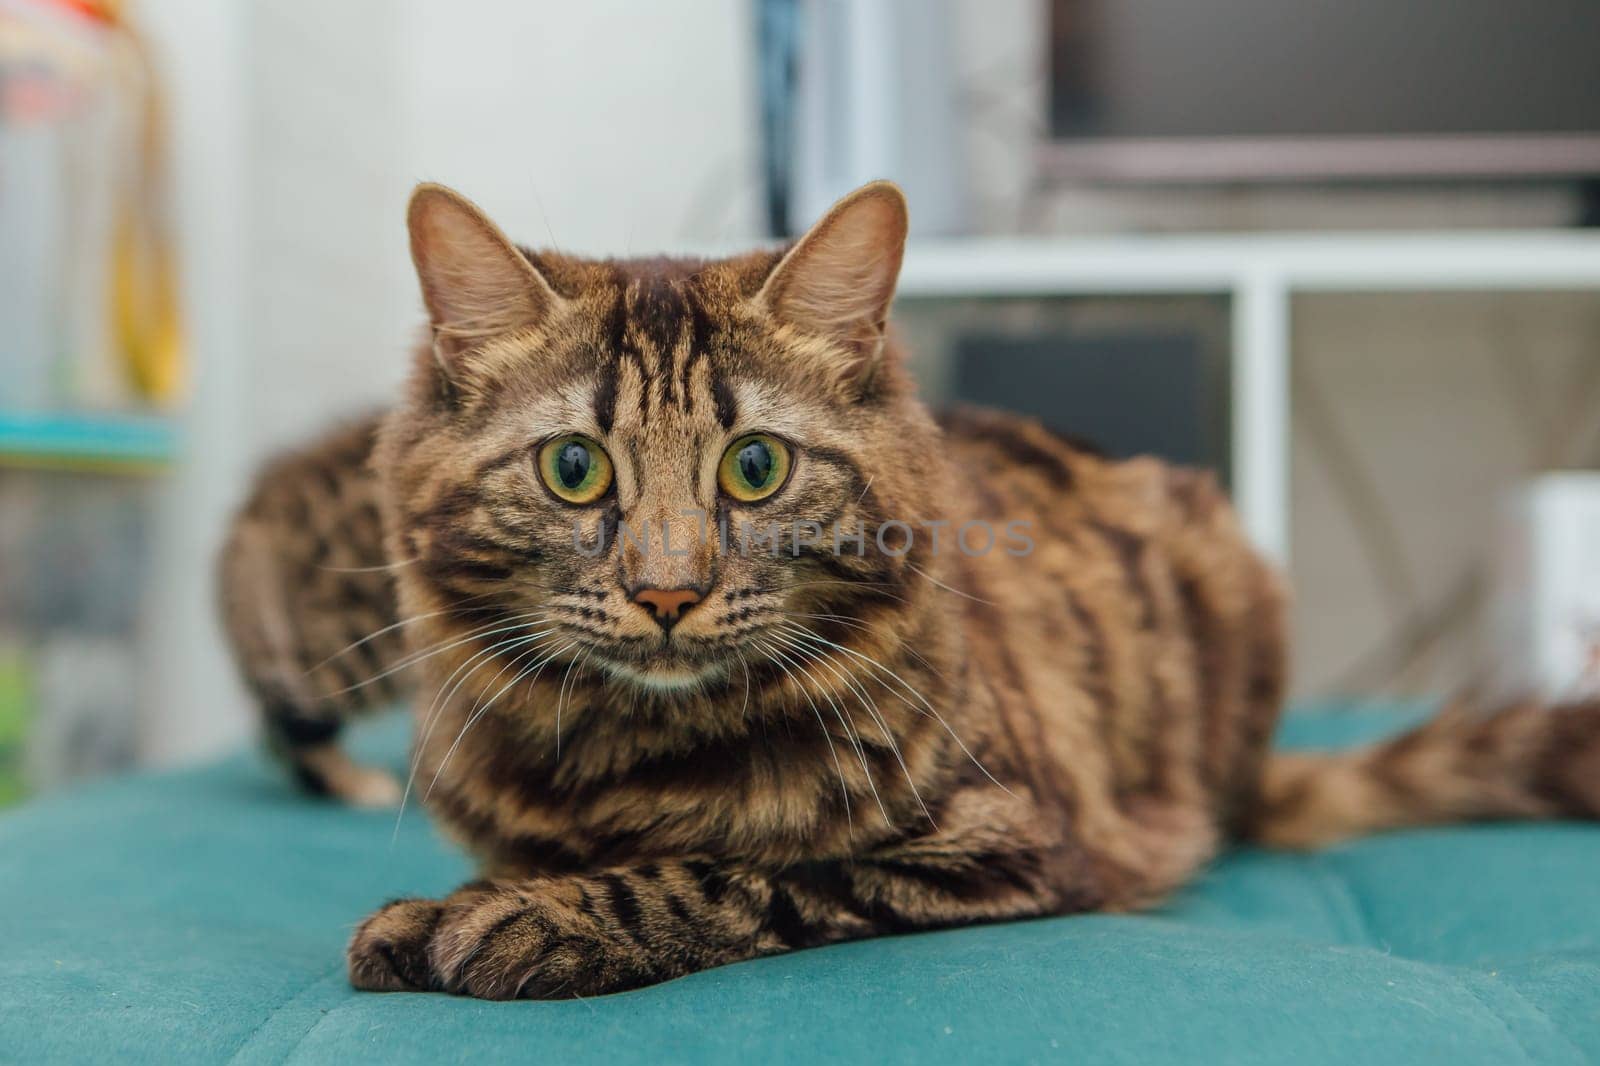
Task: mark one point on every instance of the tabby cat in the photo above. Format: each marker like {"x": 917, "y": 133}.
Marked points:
{"x": 670, "y": 746}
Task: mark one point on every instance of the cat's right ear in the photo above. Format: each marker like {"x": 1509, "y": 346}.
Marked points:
{"x": 836, "y": 283}
{"x": 475, "y": 283}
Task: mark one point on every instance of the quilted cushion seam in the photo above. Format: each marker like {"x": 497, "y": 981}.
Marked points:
{"x": 1461, "y": 977}
{"x": 1334, "y": 879}
{"x": 294, "y": 1048}
{"x": 1351, "y": 913}
{"x": 280, "y": 1008}
{"x": 1461, "y": 982}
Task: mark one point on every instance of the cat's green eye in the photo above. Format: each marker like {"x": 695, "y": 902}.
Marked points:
{"x": 753, "y": 467}
{"x": 575, "y": 468}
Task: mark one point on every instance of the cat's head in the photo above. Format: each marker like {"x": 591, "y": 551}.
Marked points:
{"x": 604, "y": 450}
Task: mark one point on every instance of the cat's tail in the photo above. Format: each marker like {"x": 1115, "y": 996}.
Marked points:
{"x": 1524, "y": 761}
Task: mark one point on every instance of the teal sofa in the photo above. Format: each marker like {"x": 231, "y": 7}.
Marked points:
{"x": 199, "y": 917}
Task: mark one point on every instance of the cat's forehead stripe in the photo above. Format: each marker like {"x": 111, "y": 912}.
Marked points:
{"x": 605, "y": 399}
{"x": 660, "y": 325}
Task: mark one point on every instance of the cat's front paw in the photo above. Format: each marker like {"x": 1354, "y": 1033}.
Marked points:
{"x": 389, "y": 952}
{"x": 529, "y": 943}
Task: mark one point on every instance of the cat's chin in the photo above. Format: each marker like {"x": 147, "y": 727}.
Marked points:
{"x": 667, "y": 676}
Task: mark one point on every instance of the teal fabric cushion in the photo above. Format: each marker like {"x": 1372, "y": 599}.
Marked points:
{"x": 201, "y": 916}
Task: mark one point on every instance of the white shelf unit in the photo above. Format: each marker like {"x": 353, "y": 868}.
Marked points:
{"x": 1260, "y": 274}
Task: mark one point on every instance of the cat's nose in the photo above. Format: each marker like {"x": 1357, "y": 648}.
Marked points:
{"x": 668, "y": 604}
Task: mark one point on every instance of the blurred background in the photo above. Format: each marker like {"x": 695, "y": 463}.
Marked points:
{"x": 1339, "y": 250}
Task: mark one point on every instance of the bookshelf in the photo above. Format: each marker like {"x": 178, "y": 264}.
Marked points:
{"x": 1260, "y": 274}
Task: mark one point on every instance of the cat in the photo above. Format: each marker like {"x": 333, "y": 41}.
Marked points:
{"x": 675, "y": 753}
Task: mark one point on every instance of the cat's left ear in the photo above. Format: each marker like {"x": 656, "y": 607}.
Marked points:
{"x": 475, "y": 283}
{"x": 838, "y": 281}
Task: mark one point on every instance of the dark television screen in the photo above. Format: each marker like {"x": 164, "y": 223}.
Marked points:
{"x": 1143, "y": 69}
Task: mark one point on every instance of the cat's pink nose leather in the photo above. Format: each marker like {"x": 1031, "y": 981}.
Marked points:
{"x": 667, "y": 603}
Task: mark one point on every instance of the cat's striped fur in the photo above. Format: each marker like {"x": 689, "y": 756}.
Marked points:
{"x": 826, "y": 746}
{"x": 309, "y": 605}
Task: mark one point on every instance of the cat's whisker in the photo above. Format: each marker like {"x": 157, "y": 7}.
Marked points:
{"x": 868, "y": 703}
{"x": 853, "y": 734}
{"x": 538, "y": 640}
{"x": 949, "y": 588}
{"x": 441, "y": 701}
{"x": 847, "y": 584}
{"x": 746, "y": 664}
{"x": 437, "y": 707}
{"x": 480, "y": 712}
{"x": 842, "y": 619}
{"x": 417, "y": 754}
{"x": 838, "y": 767}
{"x": 391, "y": 627}
{"x": 871, "y": 707}
{"x": 410, "y": 659}
{"x": 860, "y": 626}
{"x": 807, "y": 634}
{"x": 485, "y": 630}
{"x": 368, "y": 569}
{"x": 561, "y": 698}
{"x": 472, "y": 665}
{"x": 846, "y": 721}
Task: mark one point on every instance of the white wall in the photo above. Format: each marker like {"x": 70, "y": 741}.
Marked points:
{"x": 330, "y": 312}
{"x": 609, "y": 127}
{"x": 192, "y": 701}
